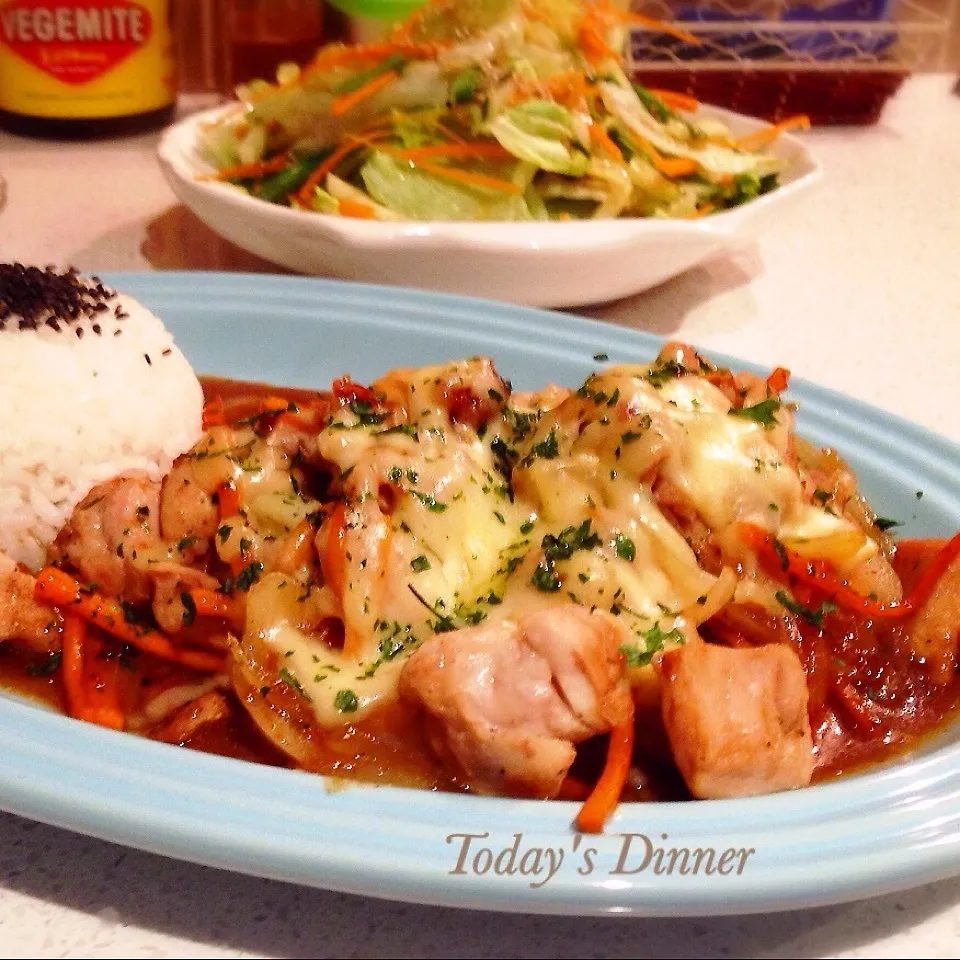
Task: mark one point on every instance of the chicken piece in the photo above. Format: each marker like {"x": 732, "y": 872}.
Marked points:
{"x": 114, "y": 522}
{"x": 737, "y": 719}
{"x": 209, "y": 708}
{"x": 22, "y": 619}
{"x": 171, "y": 581}
{"x": 936, "y": 627}
{"x": 509, "y": 700}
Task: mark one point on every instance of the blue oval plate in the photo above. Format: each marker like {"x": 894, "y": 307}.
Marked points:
{"x": 863, "y": 835}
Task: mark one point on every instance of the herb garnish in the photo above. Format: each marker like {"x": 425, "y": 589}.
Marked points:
{"x": 762, "y": 412}
{"x": 189, "y": 608}
{"x": 49, "y": 664}
{"x": 813, "y": 617}
{"x": 885, "y": 523}
{"x": 653, "y": 640}
{"x": 291, "y": 681}
{"x": 625, "y": 547}
{"x": 346, "y": 701}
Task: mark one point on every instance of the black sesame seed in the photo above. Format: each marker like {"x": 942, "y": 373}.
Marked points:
{"x": 147, "y": 357}
{"x": 166, "y": 353}
{"x": 79, "y": 332}
{"x": 96, "y": 329}
{"x": 38, "y": 297}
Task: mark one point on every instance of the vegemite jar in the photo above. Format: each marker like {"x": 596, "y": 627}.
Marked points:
{"x": 90, "y": 68}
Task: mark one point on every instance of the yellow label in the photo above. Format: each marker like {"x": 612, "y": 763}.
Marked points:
{"x": 88, "y": 59}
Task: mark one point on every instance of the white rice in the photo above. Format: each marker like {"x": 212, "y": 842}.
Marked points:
{"x": 78, "y": 410}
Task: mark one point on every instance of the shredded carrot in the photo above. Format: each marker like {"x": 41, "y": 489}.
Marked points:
{"x": 592, "y": 41}
{"x": 273, "y": 405}
{"x": 357, "y": 209}
{"x": 474, "y": 179}
{"x": 447, "y": 132}
{"x": 333, "y": 560}
{"x": 662, "y": 26}
{"x": 601, "y": 139}
{"x": 760, "y": 138}
{"x": 779, "y": 380}
{"x": 780, "y": 561}
{"x": 328, "y": 165}
{"x": 74, "y": 638}
{"x": 936, "y": 569}
{"x": 479, "y": 149}
{"x": 674, "y": 167}
{"x": 863, "y": 713}
{"x": 213, "y": 413}
{"x": 102, "y": 705}
{"x": 60, "y": 590}
{"x": 228, "y": 498}
{"x": 209, "y": 603}
{"x": 347, "y": 101}
{"x": 573, "y": 788}
{"x": 603, "y": 800}
{"x": 253, "y": 171}
{"x": 676, "y": 100}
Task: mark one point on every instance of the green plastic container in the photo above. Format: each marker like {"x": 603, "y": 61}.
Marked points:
{"x": 386, "y": 10}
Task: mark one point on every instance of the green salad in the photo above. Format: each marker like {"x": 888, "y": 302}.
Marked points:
{"x": 515, "y": 110}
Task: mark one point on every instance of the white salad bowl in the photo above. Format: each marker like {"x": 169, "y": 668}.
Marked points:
{"x": 555, "y": 264}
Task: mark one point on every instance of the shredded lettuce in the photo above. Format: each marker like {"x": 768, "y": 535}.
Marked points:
{"x": 423, "y": 196}
{"x": 540, "y": 132}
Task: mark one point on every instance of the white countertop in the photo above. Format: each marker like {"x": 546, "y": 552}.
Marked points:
{"x": 859, "y": 290}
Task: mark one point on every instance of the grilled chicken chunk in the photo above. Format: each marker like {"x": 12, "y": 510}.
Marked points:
{"x": 737, "y": 719}
{"x": 22, "y": 619}
{"x": 508, "y": 701}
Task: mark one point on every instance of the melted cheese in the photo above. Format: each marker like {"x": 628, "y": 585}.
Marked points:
{"x": 433, "y": 537}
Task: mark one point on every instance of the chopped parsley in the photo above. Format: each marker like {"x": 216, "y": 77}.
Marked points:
{"x": 654, "y": 640}
{"x": 568, "y": 541}
{"x": 660, "y": 373}
{"x": 526, "y": 526}
{"x": 545, "y": 578}
{"x": 822, "y": 496}
{"x": 561, "y": 547}
{"x": 546, "y": 449}
{"x": 762, "y": 412}
{"x": 443, "y": 623}
{"x": 781, "y": 552}
{"x": 885, "y": 523}
{"x": 625, "y": 547}
{"x": 429, "y": 501}
{"x": 813, "y": 617}
{"x": 245, "y": 579}
{"x": 291, "y": 681}
{"x": 601, "y": 357}
{"x": 346, "y": 701}
{"x": 419, "y": 564}
{"x": 365, "y": 413}
{"x": 408, "y": 429}
{"x": 189, "y": 608}
{"x": 43, "y": 668}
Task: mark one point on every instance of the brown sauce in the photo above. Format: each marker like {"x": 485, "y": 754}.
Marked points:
{"x": 390, "y": 746}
